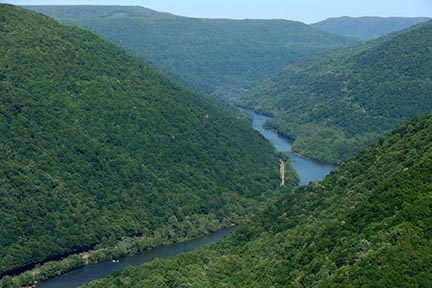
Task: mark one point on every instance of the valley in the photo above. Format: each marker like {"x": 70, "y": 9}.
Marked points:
{"x": 366, "y": 224}
{"x": 116, "y": 148}
{"x": 307, "y": 170}
{"x": 335, "y": 104}
{"x": 211, "y": 55}
{"x": 101, "y": 153}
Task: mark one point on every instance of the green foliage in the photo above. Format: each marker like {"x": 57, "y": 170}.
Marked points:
{"x": 214, "y": 55}
{"x": 367, "y": 224}
{"x": 367, "y": 28}
{"x": 96, "y": 147}
{"x": 335, "y": 104}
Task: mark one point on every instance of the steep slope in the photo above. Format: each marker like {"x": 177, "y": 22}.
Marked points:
{"x": 367, "y": 224}
{"x": 367, "y": 28}
{"x": 96, "y": 147}
{"x": 209, "y": 54}
{"x": 334, "y": 104}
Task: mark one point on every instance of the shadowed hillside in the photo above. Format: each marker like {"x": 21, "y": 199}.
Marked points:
{"x": 367, "y": 224}
{"x": 367, "y": 28}
{"x": 97, "y": 147}
{"x": 214, "y": 55}
{"x": 333, "y": 105}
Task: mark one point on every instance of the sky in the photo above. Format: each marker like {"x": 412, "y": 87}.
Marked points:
{"x": 308, "y": 11}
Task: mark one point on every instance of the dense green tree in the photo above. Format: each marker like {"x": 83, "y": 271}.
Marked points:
{"x": 367, "y": 28}
{"x": 96, "y": 146}
{"x": 214, "y": 55}
{"x": 367, "y": 224}
{"x": 333, "y": 105}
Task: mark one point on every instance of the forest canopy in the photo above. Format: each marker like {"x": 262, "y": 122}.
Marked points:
{"x": 367, "y": 224}
{"x": 334, "y": 105}
{"x": 96, "y": 146}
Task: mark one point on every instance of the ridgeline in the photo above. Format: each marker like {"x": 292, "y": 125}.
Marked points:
{"x": 367, "y": 28}
{"x": 333, "y": 105}
{"x": 97, "y": 147}
{"x": 212, "y": 55}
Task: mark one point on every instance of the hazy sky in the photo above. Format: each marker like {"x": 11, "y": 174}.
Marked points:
{"x": 308, "y": 11}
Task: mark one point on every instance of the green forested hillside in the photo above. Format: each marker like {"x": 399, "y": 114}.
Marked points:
{"x": 209, "y": 54}
{"x": 367, "y": 224}
{"x": 96, "y": 147}
{"x": 367, "y": 28}
{"x": 334, "y": 104}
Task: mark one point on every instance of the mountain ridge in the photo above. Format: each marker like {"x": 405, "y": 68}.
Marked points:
{"x": 367, "y": 27}
{"x": 94, "y": 143}
{"x": 213, "y": 55}
{"x": 334, "y": 104}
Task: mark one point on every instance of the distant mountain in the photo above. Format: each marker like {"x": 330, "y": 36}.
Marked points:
{"x": 335, "y": 104}
{"x": 214, "y": 55}
{"x": 97, "y": 147}
{"x": 367, "y": 224}
{"x": 367, "y": 28}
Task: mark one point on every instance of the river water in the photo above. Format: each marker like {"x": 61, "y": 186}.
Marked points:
{"x": 88, "y": 273}
{"x": 307, "y": 169}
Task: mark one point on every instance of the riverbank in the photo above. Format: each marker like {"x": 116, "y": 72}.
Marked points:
{"x": 268, "y": 125}
{"x": 292, "y": 139}
{"x": 89, "y": 273}
{"x": 201, "y": 225}
{"x": 307, "y": 169}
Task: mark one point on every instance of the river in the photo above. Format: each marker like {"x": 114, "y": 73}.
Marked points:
{"x": 307, "y": 169}
{"x": 91, "y": 272}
